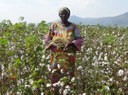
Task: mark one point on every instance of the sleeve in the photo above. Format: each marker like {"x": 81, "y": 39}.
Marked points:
{"x": 78, "y": 39}
{"x": 48, "y": 38}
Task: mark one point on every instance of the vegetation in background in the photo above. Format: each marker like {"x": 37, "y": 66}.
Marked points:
{"x": 101, "y": 65}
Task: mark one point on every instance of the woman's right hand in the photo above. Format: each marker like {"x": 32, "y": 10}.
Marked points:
{"x": 69, "y": 48}
{"x": 53, "y": 44}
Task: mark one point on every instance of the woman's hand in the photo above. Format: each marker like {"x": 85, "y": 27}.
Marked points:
{"x": 70, "y": 48}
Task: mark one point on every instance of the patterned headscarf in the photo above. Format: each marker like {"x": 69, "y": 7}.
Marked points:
{"x": 64, "y": 9}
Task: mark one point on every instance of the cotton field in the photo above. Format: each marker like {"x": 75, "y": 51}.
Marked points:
{"x": 101, "y": 65}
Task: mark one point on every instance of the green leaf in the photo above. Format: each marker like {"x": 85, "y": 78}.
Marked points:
{"x": 17, "y": 63}
{"x": 39, "y": 81}
{"x": 109, "y": 39}
{"x": 3, "y": 41}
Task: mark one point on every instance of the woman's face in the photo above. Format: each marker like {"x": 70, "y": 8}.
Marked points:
{"x": 64, "y": 15}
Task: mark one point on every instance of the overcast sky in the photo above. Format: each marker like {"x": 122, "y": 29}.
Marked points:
{"x": 37, "y": 10}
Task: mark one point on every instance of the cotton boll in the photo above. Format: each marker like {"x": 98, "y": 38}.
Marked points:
{"x": 125, "y": 78}
{"x": 31, "y": 81}
{"x": 100, "y": 56}
{"x": 54, "y": 70}
{"x": 120, "y": 89}
{"x": 79, "y": 68}
{"x": 57, "y": 84}
{"x": 27, "y": 86}
{"x": 18, "y": 93}
{"x": 84, "y": 94}
{"x": 73, "y": 79}
{"x": 36, "y": 69}
{"x": 111, "y": 79}
{"x": 65, "y": 92}
{"x": 126, "y": 62}
{"x": 62, "y": 84}
{"x": 105, "y": 57}
{"x": 43, "y": 56}
{"x": 49, "y": 67}
{"x": 42, "y": 93}
{"x": 67, "y": 87}
{"x": 42, "y": 65}
{"x": 58, "y": 65}
{"x": 107, "y": 88}
{"x": 48, "y": 85}
{"x": 120, "y": 73}
{"x": 62, "y": 71}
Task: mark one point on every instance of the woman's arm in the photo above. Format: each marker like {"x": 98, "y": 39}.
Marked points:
{"x": 78, "y": 39}
{"x": 48, "y": 38}
{"x": 76, "y": 44}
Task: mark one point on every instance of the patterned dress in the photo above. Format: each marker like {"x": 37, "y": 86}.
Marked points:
{"x": 62, "y": 62}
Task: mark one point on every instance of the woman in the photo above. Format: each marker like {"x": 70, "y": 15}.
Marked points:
{"x": 63, "y": 40}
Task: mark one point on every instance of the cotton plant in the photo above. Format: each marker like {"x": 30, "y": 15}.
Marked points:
{"x": 101, "y": 65}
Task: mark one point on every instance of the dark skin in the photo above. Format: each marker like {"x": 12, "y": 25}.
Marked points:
{"x": 64, "y": 21}
{"x": 64, "y": 18}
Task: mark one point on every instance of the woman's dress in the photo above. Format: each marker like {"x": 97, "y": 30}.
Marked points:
{"x": 62, "y": 61}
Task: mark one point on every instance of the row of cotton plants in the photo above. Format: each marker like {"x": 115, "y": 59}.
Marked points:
{"x": 103, "y": 62}
{"x": 101, "y": 65}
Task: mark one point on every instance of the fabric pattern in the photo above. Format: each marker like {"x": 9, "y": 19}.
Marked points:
{"x": 62, "y": 62}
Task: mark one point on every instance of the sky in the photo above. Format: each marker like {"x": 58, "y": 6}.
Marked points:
{"x": 47, "y": 10}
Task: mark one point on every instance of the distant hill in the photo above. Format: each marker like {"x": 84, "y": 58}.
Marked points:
{"x": 120, "y": 20}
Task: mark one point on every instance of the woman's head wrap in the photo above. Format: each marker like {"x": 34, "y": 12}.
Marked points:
{"x": 64, "y": 9}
